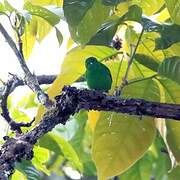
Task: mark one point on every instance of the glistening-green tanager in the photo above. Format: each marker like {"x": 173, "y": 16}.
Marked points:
{"x": 98, "y": 75}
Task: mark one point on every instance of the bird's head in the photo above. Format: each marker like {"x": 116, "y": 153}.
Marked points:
{"x": 90, "y": 62}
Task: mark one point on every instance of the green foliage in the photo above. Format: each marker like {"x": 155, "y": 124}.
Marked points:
{"x": 99, "y": 143}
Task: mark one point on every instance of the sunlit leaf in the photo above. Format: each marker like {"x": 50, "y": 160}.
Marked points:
{"x": 8, "y": 6}
{"x": 41, "y": 155}
{"x": 18, "y": 175}
{"x": 173, "y": 7}
{"x": 29, "y": 37}
{"x": 67, "y": 150}
{"x": 108, "y": 29}
{"x": 170, "y": 68}
{"x": 79, "y": 6}
{"x": 44, "y": 13}
{"x": 85, "y": 28}
{"x": 169, "y": 35}
{"x": 115, "y": 146}
{"x": 59, "y": 36}
{"x": 147, "y": 61}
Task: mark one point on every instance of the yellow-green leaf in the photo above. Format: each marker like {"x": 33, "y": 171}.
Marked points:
{"x": 173, "y": 7}
{"x": 119, "y": 139}
{"x": 29, "y": 37}
{"x": 41, "y": 155}
{"x": 18, "y": 175}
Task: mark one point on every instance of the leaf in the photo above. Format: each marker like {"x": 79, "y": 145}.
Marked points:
{"x": 170, "y": 68}
{"x": 67, "y": 150}
{"x": 18, "y": 175}
{"x": 8, "y": 6}
{"x": 93, "y": 117}
{"x": 106, "y": 32}
{"x": 169, "y": 35}
{"x": 147, "y": 61}
{"x": 116, "y": 136}
{"x": 108, "y": 29}
{"x": 85, "y": 28}
{"x": 2, "y": 8}
{"x": 27, "y": 168}
{"x": 74, "y": 11}
{"x": 82, "y": 144}
{"x": 48, "y": 142}
{"x": 134, "y": 13}
{"x": 173, "y": 7}
{"x": 29, "y": 37}
{"x": 44, "y": 13}
{"x": 41, "y": 155}
{"x": 59, "y": 36}
{"x": 43, "y": 28}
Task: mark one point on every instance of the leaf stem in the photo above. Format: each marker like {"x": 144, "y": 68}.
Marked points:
{"x": 124, "y": 80}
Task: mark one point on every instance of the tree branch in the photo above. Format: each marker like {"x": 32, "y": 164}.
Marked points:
{"x": 68, "y": 103}
{"x": 30, "y": 78}
{"x": 5, "y": 92}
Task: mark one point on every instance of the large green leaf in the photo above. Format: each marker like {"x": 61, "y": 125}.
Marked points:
{"x": 89, "y": 23}
{"x": 147, "y": 61}
{"x": 173, "y": 7}
{"x": 170, "y": 68}
{"x": 67, "y": 150}
{"x": 169, "y": 33}
{"x": 115, "y": 146}
{"x": 108, "y": 29}
{"x": 75, "y": 10}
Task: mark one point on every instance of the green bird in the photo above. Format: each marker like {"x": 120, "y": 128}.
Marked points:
{"x": 98, "y": 76}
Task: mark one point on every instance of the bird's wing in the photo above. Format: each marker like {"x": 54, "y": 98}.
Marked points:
{"x": 106, "y": 69}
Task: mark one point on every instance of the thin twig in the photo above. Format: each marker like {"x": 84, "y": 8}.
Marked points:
{"x": 5, "y": 112}
{"x": 124, "y": 80}
{"x": 30, "y": 78}
{"x": 5, "y": 92}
